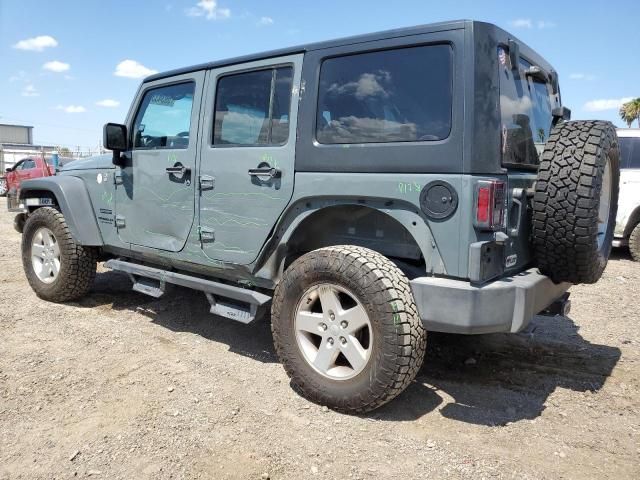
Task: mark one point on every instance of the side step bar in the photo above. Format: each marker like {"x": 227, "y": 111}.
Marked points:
{"x": 243, "y": 306}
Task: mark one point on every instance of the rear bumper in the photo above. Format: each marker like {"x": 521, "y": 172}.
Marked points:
{"x": 506, "y": 305}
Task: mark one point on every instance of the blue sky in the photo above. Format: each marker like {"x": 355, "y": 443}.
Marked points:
{"x": 67, "y": 67}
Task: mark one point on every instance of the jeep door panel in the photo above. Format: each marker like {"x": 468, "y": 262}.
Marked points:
{"x": 155, "y": 205}
{"x": 247, "y": 130}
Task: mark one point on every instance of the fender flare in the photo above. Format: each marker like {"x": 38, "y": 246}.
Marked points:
{"x": 270, "y": 262}
{"x": 73, "y": 199}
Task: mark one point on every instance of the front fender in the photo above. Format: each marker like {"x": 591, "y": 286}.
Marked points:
{"x": 73, "y": 200}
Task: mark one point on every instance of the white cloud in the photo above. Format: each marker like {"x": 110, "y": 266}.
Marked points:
{"x": 605, "y": 104}
{"x": 542, "y": 24}
{"x": 30, "y": 91}
{"x": 132, "y": 69}
{"x": 582, "y": 76}
{"x": 208, "y": 9}
{"x": 72, "y": 108}
{"x": 108, "y": 102}
{"x": 56, "y": 66}
{"x": 18, "y": 77}
{"x": 521, "y": 23}
{"x": 36, "y": 44}
{"x": 265, "y": 21}
{"x": 529, "y": 24}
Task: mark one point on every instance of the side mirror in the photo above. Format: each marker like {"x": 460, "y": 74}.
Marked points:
{"x": 8, "y": 169}
{"x": 553, "y": 78}
{"x": 514, "y": 54}
{"x": 114, "y": 137}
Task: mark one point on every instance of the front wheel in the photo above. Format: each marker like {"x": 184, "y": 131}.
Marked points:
{"x": 57, "y": 268}
{"x": 346, "y": 328}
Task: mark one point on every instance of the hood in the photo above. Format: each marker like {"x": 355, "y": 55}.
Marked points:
{"x": 90, "y": 163}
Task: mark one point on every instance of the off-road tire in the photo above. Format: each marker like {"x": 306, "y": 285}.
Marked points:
{"x": 77, "y": 263}
{"x": 567, "y": 199}
{"x": 399, "y": 338}
{"x": 634, "y": 243}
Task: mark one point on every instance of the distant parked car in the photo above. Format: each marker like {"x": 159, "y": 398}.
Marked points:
{"x": 628, "y": 220}
{"x": 26, "y": 169}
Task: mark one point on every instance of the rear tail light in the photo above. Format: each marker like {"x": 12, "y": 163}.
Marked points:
{"x": 489, "y": 204}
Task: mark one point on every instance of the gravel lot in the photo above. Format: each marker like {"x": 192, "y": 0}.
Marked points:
{"x": 120, "y": 385}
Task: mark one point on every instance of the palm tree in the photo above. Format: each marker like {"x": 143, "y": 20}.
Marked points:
{"x": 630, "y": 111}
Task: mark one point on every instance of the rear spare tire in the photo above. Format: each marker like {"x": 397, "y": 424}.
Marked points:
{"x": 575, "y": 201}
{"x": 346, "y": 328}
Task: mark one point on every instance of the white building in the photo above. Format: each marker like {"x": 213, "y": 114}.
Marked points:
{"x": 16, "y": 143}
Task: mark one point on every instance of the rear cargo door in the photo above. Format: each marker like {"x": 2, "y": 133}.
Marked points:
{"x": 526, "y": 104}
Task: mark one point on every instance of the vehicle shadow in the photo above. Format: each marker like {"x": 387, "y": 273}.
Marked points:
{"x": 620, "y": 253}
{"x": 483, "y": 379}
{"x": 183, "y": 310}
{"x": 501, "y": 378}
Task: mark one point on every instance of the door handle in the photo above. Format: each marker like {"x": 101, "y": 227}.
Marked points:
{"x": 178, "y": 169}
{"x": 265, "y": 172}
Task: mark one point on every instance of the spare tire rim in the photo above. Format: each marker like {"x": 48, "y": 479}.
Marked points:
{"x": 605, "y": 204}
{"x": 45, "y": 255}
{"x": 333, "y": 331}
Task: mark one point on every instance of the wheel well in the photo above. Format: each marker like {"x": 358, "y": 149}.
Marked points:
{"x": 358, "y": 225}
{"x": 634, "y": 219}
{"x": 39, "y": 194}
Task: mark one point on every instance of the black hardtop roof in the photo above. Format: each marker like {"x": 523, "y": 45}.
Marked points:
{"x": 369, "y": 37}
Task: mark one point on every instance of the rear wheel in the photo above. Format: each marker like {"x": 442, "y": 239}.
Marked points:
{"x": 57, "y": 268}
{"x": 575, "y": 202}
{"x": 346, "y": 328}
{"x": 634, "y": 243}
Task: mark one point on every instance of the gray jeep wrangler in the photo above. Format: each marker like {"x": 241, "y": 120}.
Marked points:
{"x": 366, "y": 190}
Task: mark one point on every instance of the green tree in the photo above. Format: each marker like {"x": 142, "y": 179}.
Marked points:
{"x": 630, "y": 111}
{"x": 65, "y": 152}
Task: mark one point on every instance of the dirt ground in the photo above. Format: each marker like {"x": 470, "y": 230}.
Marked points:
{"x": 124, "y": 386}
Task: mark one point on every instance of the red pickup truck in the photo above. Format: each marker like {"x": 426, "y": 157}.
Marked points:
{"x": 29, "y": 167}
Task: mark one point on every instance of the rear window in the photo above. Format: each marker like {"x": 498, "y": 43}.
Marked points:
{"x": 400, "y": 95}
{"x": 526, "y": 104}
{"x": 629, "y": 152}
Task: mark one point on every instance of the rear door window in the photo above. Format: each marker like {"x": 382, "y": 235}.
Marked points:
{"x": 526, "y": 105}
{"x": 629, "y": 152}
{"x": 252, "y": 108}
{"x": 399, "y": 95}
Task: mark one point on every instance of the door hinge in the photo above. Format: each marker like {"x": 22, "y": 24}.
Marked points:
{"x": 206, "y": 234}
{"x": 207, "y": 182}
{"x": 117, "y": 177}
{"x": 120, "y": 223}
